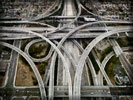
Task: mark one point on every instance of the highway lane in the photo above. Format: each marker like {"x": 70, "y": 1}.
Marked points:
{"x": 106, "y": 59}
{"x": 52, "y": 27}
{"x": 69, "y": 11}
{"x": 51, "y": 76}
{"x": 81, "y": 35}
{"x": 116, "y": 47}
{"x": 42, "y": 29}
{"x": 87, "y": 91}
{"x": 11, "y": 92}
{"x": 86, "y": 25}
{"x": 36, "y": 29}
{"x": 127, "y": 48}
{"x": 129, "y": 53}
{"x": 26, "y": 22}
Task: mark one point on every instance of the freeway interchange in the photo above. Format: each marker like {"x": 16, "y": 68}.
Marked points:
{"x": 71, "y": 73}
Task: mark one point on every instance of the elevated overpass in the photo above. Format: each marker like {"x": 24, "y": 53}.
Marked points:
{"x": 67, "y": 30}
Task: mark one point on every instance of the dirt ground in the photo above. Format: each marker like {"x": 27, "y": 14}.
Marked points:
{"x": 1, "y": 79}
{"x": 24, "y": 75}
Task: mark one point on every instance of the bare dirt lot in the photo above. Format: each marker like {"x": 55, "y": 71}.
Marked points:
{"x": 24, "y": 75}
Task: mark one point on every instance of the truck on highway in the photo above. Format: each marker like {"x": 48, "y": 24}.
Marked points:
{"x": 89, "y": 19}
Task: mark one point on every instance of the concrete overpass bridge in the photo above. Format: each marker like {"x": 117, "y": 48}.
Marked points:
{"x": 73, "y": 81}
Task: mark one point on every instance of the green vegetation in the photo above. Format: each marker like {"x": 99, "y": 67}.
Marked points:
{"x": 34, "y": 81}
{"x": 116, "y": 24}
{"x": 105, "y": 52}
{"x": 4, "y": 48}
{"x": 131, "y": 61}
{"x": 52, "y": 22}
{"x": 110, "y": 67}
{"x": 0, "y": 51}
{"x": 56, "y": 69}
{"x": 23, "y": 60}
{"x": 130, "y": 40}
{"x": 2, "y": 78}
{"x": 76, "y": 4}
{"x": 104, "y": 81}
{"x": 123, "y": 42}
{"x": 94, "y": 62}
{"x": 24, "y": 43}
{"x": 47, "y": 51}
{"x": 33, "y": 50}
{"x": 84, "y": 43}
{"x": 41, "y": 67}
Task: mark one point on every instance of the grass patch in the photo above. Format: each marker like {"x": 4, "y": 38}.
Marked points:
{"x": 105, "y": 52}
{"x": 24, "y": 43}
{"x": 33, "y": 51}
